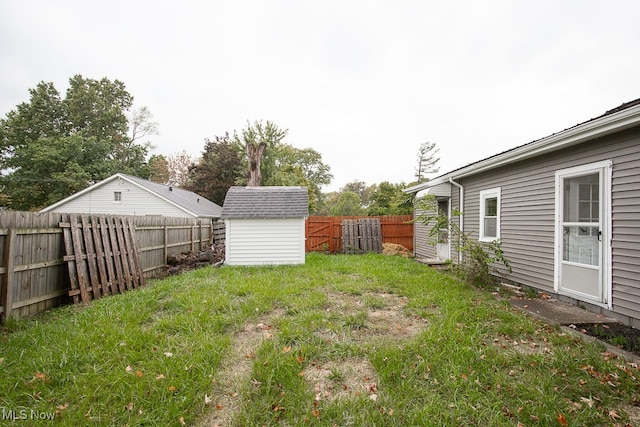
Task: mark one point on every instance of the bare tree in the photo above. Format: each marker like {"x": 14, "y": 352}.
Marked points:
{"x": 254, "y": 156}
{"x": 141, "y": 124}
{"x": 427, "y": 161}
{"x": 256, "y": 139}
{"x": 179, "y": 165}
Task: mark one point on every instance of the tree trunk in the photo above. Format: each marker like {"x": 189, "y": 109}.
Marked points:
{"x": 254, "y": 155}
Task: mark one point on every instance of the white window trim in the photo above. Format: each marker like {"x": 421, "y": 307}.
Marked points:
{"x": 114, "y": 197}
{"x": 487, "y": 194}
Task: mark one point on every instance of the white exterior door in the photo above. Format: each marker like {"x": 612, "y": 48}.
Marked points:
{"x": 443, "y": 243}
{"x": 582, "y": 232}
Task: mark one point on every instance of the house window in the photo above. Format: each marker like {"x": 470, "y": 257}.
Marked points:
{"x": 490, "y": 215}
{"x": 117, "y": 197}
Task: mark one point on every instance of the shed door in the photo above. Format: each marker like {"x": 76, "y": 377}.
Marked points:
{"x": 582, "y": 230}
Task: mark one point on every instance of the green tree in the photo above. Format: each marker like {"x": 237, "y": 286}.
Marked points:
{"x": 52, "y": 147}
{"x": 362, "y": 189}
{"x": 98, "y": 108}
{"x": 219, "y": 168}
{"x": 389, "y": 199}
{"x": 43, "y": 116}
{"x": 304, "y": 167}
{"x": 346, "y": 203}
{"x": 270, "y": 161}
{"x": 58, "y": 167}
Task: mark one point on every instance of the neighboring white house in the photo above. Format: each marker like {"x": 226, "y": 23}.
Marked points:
{"x": 122, "y": 194}
{"x": 265, "y": 225}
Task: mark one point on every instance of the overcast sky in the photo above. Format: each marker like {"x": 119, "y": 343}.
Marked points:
{"x": 362, "y": 82}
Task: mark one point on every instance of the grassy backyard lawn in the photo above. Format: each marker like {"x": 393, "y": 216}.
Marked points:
{"x": 367, "y": 340}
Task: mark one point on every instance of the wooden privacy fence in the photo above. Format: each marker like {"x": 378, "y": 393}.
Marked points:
{"x": 36, "y": 266}
{"x": 324, "y": 233}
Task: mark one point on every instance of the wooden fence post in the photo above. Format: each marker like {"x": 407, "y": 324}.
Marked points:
{"x": 165, "y": 252}
{"x": 7, "y": 282}
{"x": 193, "y": 238}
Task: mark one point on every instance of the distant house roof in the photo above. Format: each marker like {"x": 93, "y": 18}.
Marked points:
{"x": 266, "y": 202}
{"x": 187, "y": 201}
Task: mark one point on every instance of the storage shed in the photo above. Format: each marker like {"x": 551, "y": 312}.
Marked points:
{"x": 265, "y": 225}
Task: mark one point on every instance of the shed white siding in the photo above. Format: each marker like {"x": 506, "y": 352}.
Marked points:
{"x": 134, "y": 201}
{"x": 264, "y": 241}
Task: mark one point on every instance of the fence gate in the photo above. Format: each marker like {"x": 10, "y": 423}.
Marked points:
{"x": 361, "y": 235}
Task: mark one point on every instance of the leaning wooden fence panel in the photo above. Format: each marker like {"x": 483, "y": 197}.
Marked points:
{"x": 350, "y": 236}
{"x": 87, "y": 258}
{"x": 361, "y": 235}
{"x": 370, "y": 235}
{"x": 35, "y": 275}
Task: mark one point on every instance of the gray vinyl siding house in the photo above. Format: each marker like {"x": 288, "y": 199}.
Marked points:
{"x": 122, "y": 194}
{"x": 265, "y": 225}
{"x": 568, "y": 212}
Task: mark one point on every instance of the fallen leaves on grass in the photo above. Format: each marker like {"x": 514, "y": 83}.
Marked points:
{"x": 588, "y": 400}
{"x": 614, "y": 415}
{"x": 562, "y": 420}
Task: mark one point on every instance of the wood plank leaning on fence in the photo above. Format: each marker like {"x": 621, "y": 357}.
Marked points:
{"x": 361, "y": 235}
{"x": 324, "y": 233}
{"x": 102, "y": 256}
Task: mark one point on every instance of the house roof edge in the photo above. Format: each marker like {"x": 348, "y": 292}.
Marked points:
{"x": 615, "y": 120}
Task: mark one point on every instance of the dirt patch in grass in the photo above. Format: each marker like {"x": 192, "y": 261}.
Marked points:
{"x": 224, "y": 399}
{"x": 361, "y": 318}
{"x": 370, "y": 315}
{"x": 342, "y": 379}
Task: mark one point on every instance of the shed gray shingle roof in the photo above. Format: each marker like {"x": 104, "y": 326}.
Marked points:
{"x": 266, "y": 202}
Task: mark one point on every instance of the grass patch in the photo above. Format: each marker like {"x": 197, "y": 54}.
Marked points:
{"x": 345, "y": 340}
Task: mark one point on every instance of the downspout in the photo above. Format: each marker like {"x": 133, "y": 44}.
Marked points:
{"x": 461, "y": 192}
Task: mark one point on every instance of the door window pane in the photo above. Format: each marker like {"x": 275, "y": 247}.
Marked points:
{"x": 580, "y": 244}
{"x": 581, "y": 199}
